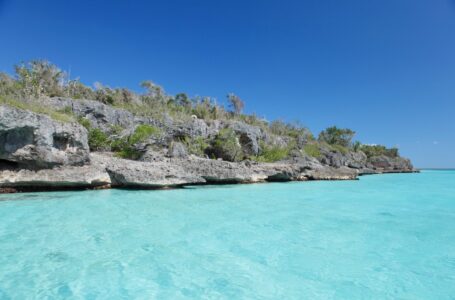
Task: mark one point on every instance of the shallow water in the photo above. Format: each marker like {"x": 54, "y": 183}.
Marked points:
{"x": 382, "y": 237}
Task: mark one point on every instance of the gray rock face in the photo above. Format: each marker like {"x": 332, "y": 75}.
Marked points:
{"x": 38, "y": 152}
{"x": 57, "y": 178}
{"x": 218, "y": 171}
{"x": 100, "y": 115}
{"x": 36, "y": 141}
{"x": 248, "y": 136}
{"x": 356, "y": 160}
{"x": 177, "y": 150}
{"x": 387, "y": 164}
{"x": 135, "y": 174}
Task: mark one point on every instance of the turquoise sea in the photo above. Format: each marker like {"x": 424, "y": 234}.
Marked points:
{"x": 381, "y": 237}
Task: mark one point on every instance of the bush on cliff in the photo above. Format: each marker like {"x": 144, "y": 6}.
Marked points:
{"x": 272, "y": 153}
{"x": 143, "y": 132}
{"x": 337, "y": 136}
{"x": 226, "y": 146}
{"x": 98, "y": 140}
{"x": 197, "y": 146}
{"x": 125, "y": 147}
{"x": 35, "y": 107}
{"x": 312, "y": 150}
{"x": 377, "y": 150}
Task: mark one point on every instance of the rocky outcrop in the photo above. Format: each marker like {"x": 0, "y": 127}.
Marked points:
{"x": 134, "y": 174}
{"x": 58, "y": 178}
{"x": 39, "y": 153}
{"x": 248, "y": 136}
{"x": 177, "y": 150}
{"x": 385, "y": 164}
{"x": 100, "y": 115}
{"x": 35, "y": 141}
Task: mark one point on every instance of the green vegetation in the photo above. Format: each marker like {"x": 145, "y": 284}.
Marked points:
{"x": 226, "y": 146}
{"x": 197, "y": 146}
{"x": 98, "y": 140}
{"x": 33, "y": 106}
{"x": 312, "y": 150}
{"x": 272, "y": 153}
{"x": 375, "y": 150}
{"x": 338, "y": 148}
{"x": 37, "y": 79}
{"x": 84, "y": 122}
{"x": 124, "y": 147}
{"x": 142, "y": 133}
{"x": 337, "y": 136}
{"x": 292, "y": 130}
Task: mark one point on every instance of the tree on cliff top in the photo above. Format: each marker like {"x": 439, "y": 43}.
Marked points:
{"x": 235, "y": 103}
{"x": 337, "y": 136}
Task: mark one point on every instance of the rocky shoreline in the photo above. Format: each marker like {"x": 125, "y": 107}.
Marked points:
{"x": 106, "y": 171}
{"x": 38, "y": 153}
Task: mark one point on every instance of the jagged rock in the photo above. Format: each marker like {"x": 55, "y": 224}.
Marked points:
{"x": 275, "y": 140}
{"x": 356, "y": 159}
{"x": 65, "y": 177}
{"x": 332, "y": 158}
{"x": 219, "y": 171}
{"x": 387, "y": 164}
{"x": 33, "y": 141}
{"x": 330, "y": 173}
{"x": 177, "y": 150}
{"x": 100, "y": 115}
{"x": 36, "y": 141}
{"x": 135, "y": 174}
{"x": 248, "y": 136}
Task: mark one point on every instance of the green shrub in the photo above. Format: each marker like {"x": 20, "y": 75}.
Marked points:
{"x": 66, "y": 110}
{"x": 312, "y": 150}
{"x": 124, "y": 147}
{"x": 376, "y": 150}
{"x": 37, "y": 108}
{"x": 196, "y": 146}
{"x": 142, "y": 133}
{"x": 40, "y": 78}
{"x": 116, "y": 129}
{"x": 226, "y": 145}
{"x": 337, "y": 136}
{"x": 98, "y": 140}
{"x": 356, "y": 146}
{"x": 339, "y": 148}
{"x": 84, "y": 122}
{"x": 272, "y": 153}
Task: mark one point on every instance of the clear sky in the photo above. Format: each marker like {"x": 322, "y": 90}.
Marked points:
{"x": 385, "y": 68}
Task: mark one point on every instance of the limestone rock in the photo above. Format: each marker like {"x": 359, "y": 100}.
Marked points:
{"x": 178, "y": 150}
{"x": 135, "y": 174}
{"x": 65, "y": 177}
{"x": 35, "y": 141}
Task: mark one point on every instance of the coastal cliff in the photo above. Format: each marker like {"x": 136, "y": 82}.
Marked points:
{"x": 125, "y": 140}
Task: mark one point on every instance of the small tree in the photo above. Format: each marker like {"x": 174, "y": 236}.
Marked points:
{"x": 337, "y": 136}
{"x": 226, "y": 145}
{"x": 40, "y": 78}
{"x": 183, "y": 100}
{"x": 154, "y": 91}
{"x": 235, "y": 103}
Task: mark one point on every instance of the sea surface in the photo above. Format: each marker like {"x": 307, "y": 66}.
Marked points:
{"x": 381, "y": 237}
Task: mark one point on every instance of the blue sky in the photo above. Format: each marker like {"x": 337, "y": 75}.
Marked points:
{"x": 385, "y": 68}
